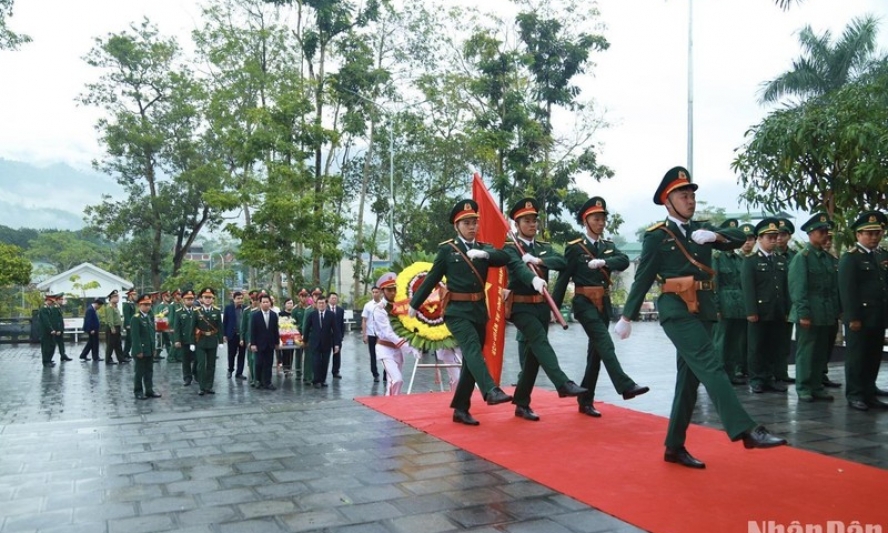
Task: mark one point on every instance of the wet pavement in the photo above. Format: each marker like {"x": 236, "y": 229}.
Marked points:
{"x": 80, "y": 454}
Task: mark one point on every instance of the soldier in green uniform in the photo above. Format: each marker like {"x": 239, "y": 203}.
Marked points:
{"x": 678, "y": 251}
{"x": 112, "y": 321}
{"x": 784, "y": 236}
{"x": 129, "y": 309}
{"x": 244, "y": 333}
{"x": 52, "y": 329}
{"x": 297, "y": 315}
{"x": 183, "y": 335}
{"x": 766, "y": 301}
{"x": 208, "y": 335}
{"x": 465, "y": 263}
{"x": 814, "y": 292}
{"x": 161, "y": 308}
{"x": 834, "y": 330}
{"x": 142, "y": 330}
{"x": 729, "y": 333}
{"x": 175, "y": 305}
{"x": 591, "y": 260}
{"x": 528, "y": 310}
{"x": 863, "y": 289}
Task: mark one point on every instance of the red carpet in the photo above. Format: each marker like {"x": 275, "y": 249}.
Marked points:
{"x": 615, "y": 464}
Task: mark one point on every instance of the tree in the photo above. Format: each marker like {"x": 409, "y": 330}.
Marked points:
{"x": 153, "y": 136}
{"x": 826, "y": 66}
{"x": 14, "y": 268}
{"x": 193, "y": 276}
{"x": 67, "y": 249}
{"x": 8, "y": 39}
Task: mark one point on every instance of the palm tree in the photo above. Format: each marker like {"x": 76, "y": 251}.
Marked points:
{"x": 784, "y": 4}
{"x": 826, "y": 66}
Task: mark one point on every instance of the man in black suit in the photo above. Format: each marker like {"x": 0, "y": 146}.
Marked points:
{"x": 339, "y": 313}
{"x": 264, "y": 338}
{"x": 322, "y": 334}
{"x": 231, "y": 321}
{"x": 91, "y": 326}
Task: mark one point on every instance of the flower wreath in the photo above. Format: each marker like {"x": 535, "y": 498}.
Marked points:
{"x": 427, "y": 330}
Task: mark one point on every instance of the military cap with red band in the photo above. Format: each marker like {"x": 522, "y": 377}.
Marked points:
{"x": 464, "y": 209}
{"x": 676, "y": 178}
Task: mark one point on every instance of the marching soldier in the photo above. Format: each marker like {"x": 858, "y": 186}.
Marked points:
{"x": 527, "y": 309}
{"x": 590, "y": 261}
{"x": 679, "y": 252}
{"x": 129, "y": 309}
{"x": 52, "y": 330}
{"x": 174, "y": 306}
{"x": 208, "y": 335}
{"x": 814, "y": 291}
{"x": 112, "y": 321}
{"x": 864, "y": 297}
{"x": 766, "y": 301}
{"x": 729, "y": 333}
{"x": 183, "y": 336}
{"x": 142, "y": 329}
{"x": 784, "y": 236}
{"x": 465, "y": 263}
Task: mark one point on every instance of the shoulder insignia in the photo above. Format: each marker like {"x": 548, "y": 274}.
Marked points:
{"x": 805, "y": 252}
{"x": 575, "y": 241}
{"x": 656, "y": 226}
{"x": 484, "y": 243}
{"x": 448, "y": 241}
{"x": 510, "y": 243}
{"x": 716, "y": 254}
{"x": 853, "y": 250}
{"x": 542, "y": 242}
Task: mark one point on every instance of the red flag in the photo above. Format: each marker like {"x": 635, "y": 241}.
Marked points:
{"x": 492, "y": 228}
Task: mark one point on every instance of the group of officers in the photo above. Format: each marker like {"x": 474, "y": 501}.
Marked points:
{"x": 715, "y": 293}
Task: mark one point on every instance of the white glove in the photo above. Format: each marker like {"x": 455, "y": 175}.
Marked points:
{"x": 702, "y": 236}
{"x": 623, "y": 328}
{"x": 477, "y": 254}
{"x": 539, "y": 284}
{"x": 411, "y": 312}
{"x": 595, "y": 263}
{"x": 407, "y": 350}
{"x": 528, "y": 258}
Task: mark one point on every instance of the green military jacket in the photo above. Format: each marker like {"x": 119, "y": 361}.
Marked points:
{"x": 129, "y": 309}
{"x": 244, "y": 329}
{"x": 462, "y": 279}
{"x": 814, "y": 287}
{"x": 297, "y": 315}
{"x": 209, "y": 322}
{"x": 111, "y": 317}
{"x": 552, "y": 260}
{"x": 578, "y": 270}
{"x": 764, "y": 283}
{"x": 728, "y": 294}
{"x": 662, "y": 259}
{"x": 183, "y": 331}
{"x": 142, "y": 330}
{"x": 862, "y": 286}
{"x": 50, "y": 319}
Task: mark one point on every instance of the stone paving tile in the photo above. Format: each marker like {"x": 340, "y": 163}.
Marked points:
{"x": 79, "y": 454}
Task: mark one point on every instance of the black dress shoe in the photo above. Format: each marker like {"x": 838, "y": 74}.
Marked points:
{"x": 270, "y": 387}
{"x": 210, "y": 391}
{"x": 228, "y": 375}
{"x": 316, "y": 385}
{"x": 682, "y": 457}
{"x": 831, "y": 384}
{"x": 738, "y": 380}
{"x": 879, "y": 392}
{"x": 375, "y": 379}
{"x": 323, "y": 384}
{"x": 589, "y": 411}
{"x": 776, "y": 386}
{"x": 201, "y": 393}
{"x": 153, "y": 395}
{"x": 337, "y": 376}
{"x": 463, "y": 417}
{"x": 83, "y": 358}
{"x": 878, "y": 404}
{"x": 496, "y": 396}
{"x": 140, "y": 396}
{"x": 786, "y": 379}
{"x": 760, "y": 437}
{"x": 570, "y": 389}
{"x": 240, "y": 376}
{"x": 110, "y": 363}
{"x": 526, "y": 413}
{"x": 757, "y": 388}
{"x": 65, "y": 359}
{"x": 860, "y": 405}
{"x": 187, "y": 382}
{"x": 636, "y": 390}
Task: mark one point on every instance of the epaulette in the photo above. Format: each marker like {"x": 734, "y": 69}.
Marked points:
{"x": 448, "y": 241}
{"x": 484, "y": 243}
{"x": 575, "y": 241}
{"x": 805, "y": 252}
{"x": 542, "y": 242}
{"x": 853, "y": 250}
{"x": 716, "y": 254}
{"x": 509, "y": 242}
{"x": 656, "y": 226}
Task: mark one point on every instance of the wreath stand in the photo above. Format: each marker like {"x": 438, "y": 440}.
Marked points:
{"x": 437, "y": 366}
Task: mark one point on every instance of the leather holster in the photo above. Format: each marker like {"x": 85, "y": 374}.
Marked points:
{"x": 686, "y": 289}
{"x": 594, "y": 294}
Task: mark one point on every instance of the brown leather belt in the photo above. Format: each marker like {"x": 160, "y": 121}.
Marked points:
{"x": 589, "y": 290}
{"x": 705, "y": 285}
{"x": 387, "y": 343}
{"x": 529, "y": 299}
{"x": 466, "y": 296}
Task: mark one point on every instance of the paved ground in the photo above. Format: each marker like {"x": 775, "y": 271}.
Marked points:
{"x": 80, "y": 454}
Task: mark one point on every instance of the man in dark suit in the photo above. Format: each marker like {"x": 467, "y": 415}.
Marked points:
{"x": 91, "y": 328}
{"x": 339, "y": 313}
{"x": 322, "y": 334}
{"x": 231, "y": 320}
{"x": 264, "y": 338}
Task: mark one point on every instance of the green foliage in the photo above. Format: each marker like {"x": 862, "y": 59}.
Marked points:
{"x": 8, "y": 39}
{"x": 67, "y": 249}
{"x": 192, "y": 275}
{"x": 14, "y": 268}
{"x": 82, "y": 287}
{"x": 21, "y": 237}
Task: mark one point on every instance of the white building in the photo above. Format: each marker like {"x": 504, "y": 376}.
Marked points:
{"x": 86, "y": 280}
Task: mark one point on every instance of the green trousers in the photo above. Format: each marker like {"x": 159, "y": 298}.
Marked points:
{"x": 307, "y": 366}
{"x": 189, "y": 364}
{"x": 863, "y": 355}
{"x": 533, "y": 321}
{"x": 765, "y": 339}
{"x": 698, "y": 362}
{"x": 781, "y": 359}
{"x": 143, "y": 374}
{"x": 206, "y": 366}
{"x": 127, "y": 342}
{"x": 600, "y": 350}
{"x": 813, "y": 347}
{"x": 469, "y": 336}
{"x": 47, "y": 348}
{"x": 729, "y": 336}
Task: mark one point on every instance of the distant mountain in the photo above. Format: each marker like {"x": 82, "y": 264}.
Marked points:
{"x": 49, "y": 197}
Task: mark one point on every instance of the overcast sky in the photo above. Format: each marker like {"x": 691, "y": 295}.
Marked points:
{"x": 641, "y": 81}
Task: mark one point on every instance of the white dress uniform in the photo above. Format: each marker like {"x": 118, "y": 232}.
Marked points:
{"x": 450, "y": 356}
{"x": 390, "y": 348}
